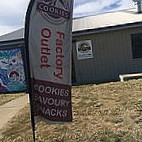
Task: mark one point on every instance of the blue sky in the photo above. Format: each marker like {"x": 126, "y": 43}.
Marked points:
{"x": 12, "y": 13}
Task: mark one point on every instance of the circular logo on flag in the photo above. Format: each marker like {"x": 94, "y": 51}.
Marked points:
{"x": 55, "y": 11}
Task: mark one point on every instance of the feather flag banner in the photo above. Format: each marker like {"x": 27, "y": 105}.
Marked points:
{"x": 48, "y": 36}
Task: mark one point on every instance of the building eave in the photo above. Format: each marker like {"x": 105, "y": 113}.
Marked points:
{"x": 107, "y": 29}
{"x": 19, "y": 42}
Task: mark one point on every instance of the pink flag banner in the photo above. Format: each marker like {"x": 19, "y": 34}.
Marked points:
{"x": 48, "y": 36}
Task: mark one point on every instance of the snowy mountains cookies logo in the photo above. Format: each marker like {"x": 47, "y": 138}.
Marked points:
{"x": 55, "y": 11}
{"x": 84, "y": 47}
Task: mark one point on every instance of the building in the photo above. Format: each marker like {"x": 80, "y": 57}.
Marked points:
{"x": 104, "y": 46}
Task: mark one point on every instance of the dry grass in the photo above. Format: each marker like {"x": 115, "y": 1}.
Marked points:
{"x": 4, "y": 98}
{"x": 110, "y": 112}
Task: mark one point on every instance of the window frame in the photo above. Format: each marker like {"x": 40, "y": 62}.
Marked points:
{"x": 136, "y": 41}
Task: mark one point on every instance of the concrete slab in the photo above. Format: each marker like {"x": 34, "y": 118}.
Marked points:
{"x": 124, "y": 77}
{"x": 10, "y": 109}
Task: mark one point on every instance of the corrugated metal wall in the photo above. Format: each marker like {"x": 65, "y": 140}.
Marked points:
{"x": 112, "y": 53}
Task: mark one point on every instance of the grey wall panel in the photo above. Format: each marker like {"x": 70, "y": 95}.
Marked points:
{"x": 112, "y": 56}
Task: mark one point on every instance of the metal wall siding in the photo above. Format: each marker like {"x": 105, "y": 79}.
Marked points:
{"x": 112, "y": 53}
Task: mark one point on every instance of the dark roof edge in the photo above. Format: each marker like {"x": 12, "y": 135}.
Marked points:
{"x": 84, "y": 32}
{"x": 107, "y": 29}
{"x": 11, "y": 42}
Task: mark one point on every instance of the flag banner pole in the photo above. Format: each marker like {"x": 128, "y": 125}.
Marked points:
{"x": 48, "y": 38}
{"x": 28, "y": 67}
{"x": 32, "y": 111}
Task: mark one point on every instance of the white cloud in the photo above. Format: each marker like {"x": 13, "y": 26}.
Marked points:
{"x": 13, "y": 7}
{"x": 87, "y": 7}
{"x": 127, "y": 4}
{"x": 97, "y": 6}
{"x": 7, "y": 29}
{"x": 12, "y": 15}
{"x": 12, "y": 12}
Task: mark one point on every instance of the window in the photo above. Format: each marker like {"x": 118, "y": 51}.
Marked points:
{"x": 137, "y": 45}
